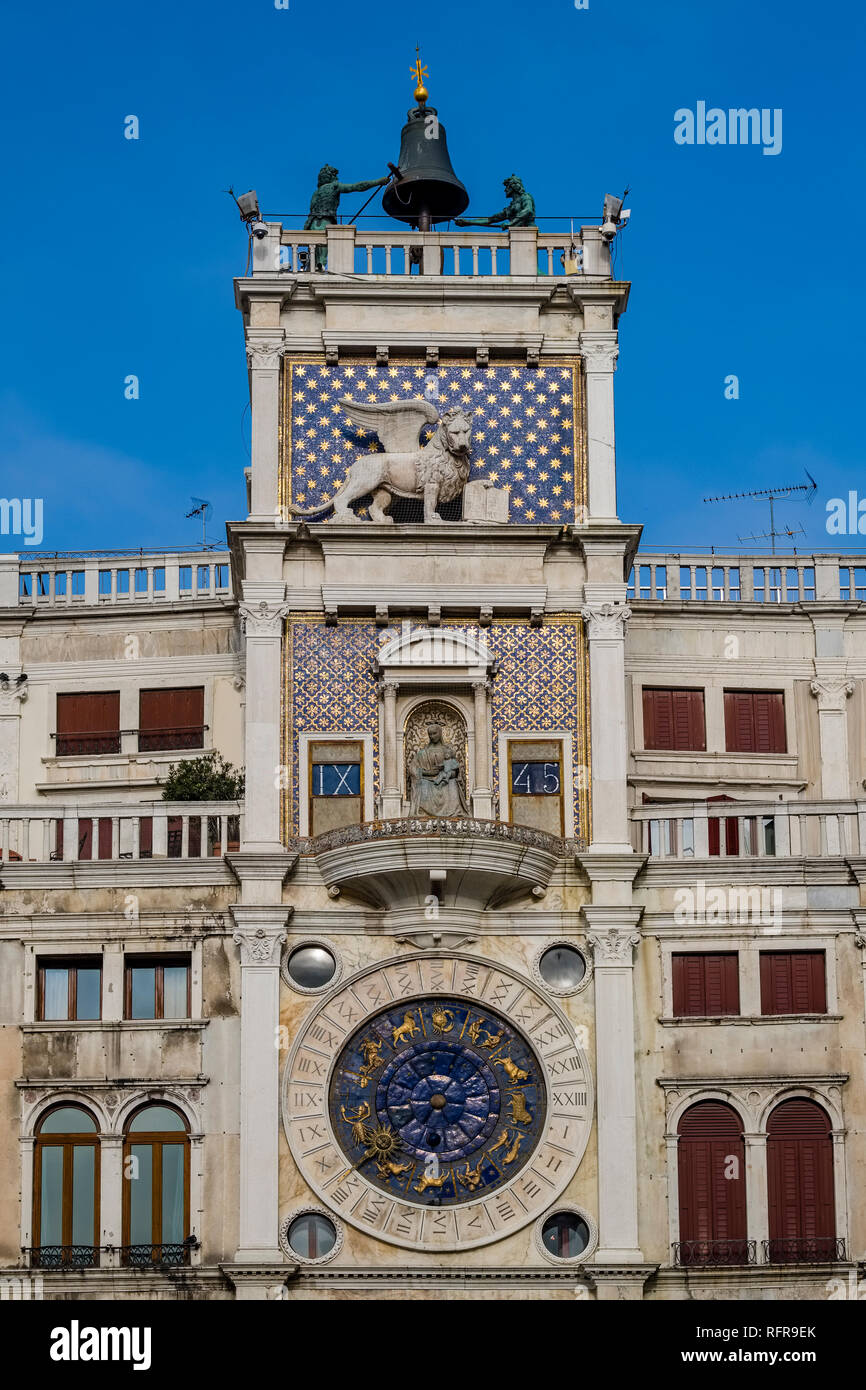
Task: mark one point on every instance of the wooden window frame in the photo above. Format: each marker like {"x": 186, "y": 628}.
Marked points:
{"x": 170, "y": 738}
{"x": 71, "y": 964}
{"x": 156, "y": 1139}
{"x": 514, "y": 743}
{"x": 158, "y": 963}
{"x": 651, "y": 744}
{"x": 96, "y": 737}
{"x": 766, "y": 983}
{"x": 704, "y": 957}
{"x": 730, "y": 721}
{"x": 67, "y": 1142}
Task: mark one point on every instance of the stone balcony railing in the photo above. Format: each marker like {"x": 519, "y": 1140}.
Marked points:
{"x": 79, "y": 833}
{"x": 751, "y": 829}
{"x": 476, "y": 252}
{"x": 748, "y": 578}
{"x": 91, "y": 579}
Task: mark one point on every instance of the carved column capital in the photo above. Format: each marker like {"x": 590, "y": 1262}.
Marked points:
{"x": 263, "y": 354}
{"x": 481, "y": 687}
{"x": 606, "y": 620}
{"x": 613, "y": 946}
{"x": 263, "y": 619}
{"x": 599, "y": 352}
{"x": 260, "y": 945}
{"x": 831, "y": 692}
{"x": 388, "y": 688}
{"x": 13, "y": 693}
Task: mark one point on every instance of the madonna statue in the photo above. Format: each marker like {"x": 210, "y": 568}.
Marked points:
{"x": 434, "y": 779}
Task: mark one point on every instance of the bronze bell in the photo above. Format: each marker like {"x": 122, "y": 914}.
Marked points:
{"x": 429, "y": 190}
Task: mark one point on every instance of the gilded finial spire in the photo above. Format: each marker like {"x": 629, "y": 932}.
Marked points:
{"x": 419, "y": 73}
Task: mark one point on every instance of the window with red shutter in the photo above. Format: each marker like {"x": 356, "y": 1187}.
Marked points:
{"x": 712, "y": 1186}
{"x": 171, "y": 719}
{"x": 755, "y": 721}
{"x": 674, "y": 719}
{"x": 705, "y": 984}
{"x": 88, "y": 723}
{"x": 800, "y": 1191}
{"x": 793, "y": 982}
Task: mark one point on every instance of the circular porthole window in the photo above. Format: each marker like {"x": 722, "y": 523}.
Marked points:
{"x": 565, "y": 1235}
{"x": 310, "y": 1236}
{"x": 562, "y": 968}
{"x": 311, "y": 967}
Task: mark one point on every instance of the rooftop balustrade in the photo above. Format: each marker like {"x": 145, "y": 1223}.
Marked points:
{"x": 751, "y": 829}
{"x": 91, "y": 579}
{"x": 748, "y": 578}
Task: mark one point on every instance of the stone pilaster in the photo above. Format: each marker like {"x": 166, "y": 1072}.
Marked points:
{"x": 392, "y": 801}
{"x": 832, "y": 691}
{"x": 262, "y": 614}
{"x": 612, "y": 939}
{"x": 482, "y": 795}
{"x": 605, "y": 628}
{"x": 264, "y": 353}
{"x": 600, "y": 352}
{"x": 13, "y": 694}
{"x": 260, "y": 934}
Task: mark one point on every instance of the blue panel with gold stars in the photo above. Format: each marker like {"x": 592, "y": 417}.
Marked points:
{"x": 526, "y": 430}
{"x": 437, "y": 1101}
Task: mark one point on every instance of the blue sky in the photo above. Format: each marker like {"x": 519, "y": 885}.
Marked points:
{"x": 119, "y": 255}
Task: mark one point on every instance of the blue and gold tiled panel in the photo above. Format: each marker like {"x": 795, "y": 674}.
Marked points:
{"x": 527, "y": 430}
{"x": 329, "y": 688}
{"x": 436, "y": 1100}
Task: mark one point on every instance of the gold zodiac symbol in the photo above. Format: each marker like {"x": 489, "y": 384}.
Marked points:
{"x": 511, "y": 1153}
{"x": 442, "y": 1020}
{"x": 472, "y": 1177}
{"x": 512, "y": 1070}
{"x": 501, "y": 1141}
{"x": 493, "y": 1040}
{"x": 356, "y": 1120}
{"x": 474, "y": 1029}
{"x": 385, "y": 1166}
{"x": 371, "y": 1049}
{"x": 408, "y": 1028}
{"x": 423, "y": 1183}
{"x": 519, "y": 1113}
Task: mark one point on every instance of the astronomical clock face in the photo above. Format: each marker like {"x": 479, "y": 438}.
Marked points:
{"x": 438, "y": 1097}
{"x": 437, "y": 1103}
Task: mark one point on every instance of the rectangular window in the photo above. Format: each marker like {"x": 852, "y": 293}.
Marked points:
{"x": 171, "y": 719}
{"x": 69, "y": 990}
{"x": 706, "y": 985}
{"x": 674, "y": 719}
{"x": 158, "y": 987}
{"x": 755, "y": 721}
{"x": 793, "y": 982}
{"x": 535, "y": 784}
{"x": 88, "y": 723}
{"x": 336, "y": 785}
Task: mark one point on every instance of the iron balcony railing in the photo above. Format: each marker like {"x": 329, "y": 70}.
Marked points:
{"x": 786, "y": 1250}
{"x": 170, "y": 1255}
{"x": 63, "y": 1256}
{"x": 711, "y": 1253}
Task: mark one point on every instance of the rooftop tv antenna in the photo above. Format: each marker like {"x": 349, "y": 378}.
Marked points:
{"x": 203, "y": 509}
{"x": 770, "y": 494}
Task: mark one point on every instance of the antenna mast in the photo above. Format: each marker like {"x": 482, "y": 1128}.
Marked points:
{"x": 770, "y": 494}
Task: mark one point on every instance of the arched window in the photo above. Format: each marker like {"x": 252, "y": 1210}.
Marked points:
{"x": 712, "y": 1186}
{"x": 800, "y": 1197}
{"x": 66, "y": 1189}
{"x": 156, "y": 1187}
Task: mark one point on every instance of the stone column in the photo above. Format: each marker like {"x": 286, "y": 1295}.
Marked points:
{"x": 12, "y": 697}
{"x": 260, "y": 934}
{"x": 392, "y": 801}
{"x": 264, "y": 355}
{"x": 605, "y": 623}
{"x": 600, "y": 352}
{"x": 832, "y": 693}
{"x": 263, "y": 624}
{"x": 482, "y": 795}
{"x": 612, "y": 939}
{"x": 757, "y": 1228}
{"x": 111, "y": 1179}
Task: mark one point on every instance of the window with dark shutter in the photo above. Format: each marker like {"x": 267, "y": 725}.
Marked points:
{"x": 705, "y": 984}
{"x": 88, "y": 723}
{"x": 712, "y": 1186}
{"x": 755, "y": 721}
{"x": 800, "y": 1193}
{"x": 674, "y": 719}
{"x": 171, "y": 719}
{"x": 793, "y": 982}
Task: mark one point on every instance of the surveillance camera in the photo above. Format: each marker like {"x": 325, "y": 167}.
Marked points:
{"x": 259, "y": 230}
{"x": 608, "y": 230}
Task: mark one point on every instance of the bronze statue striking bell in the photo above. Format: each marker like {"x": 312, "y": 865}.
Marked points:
{"x": 429, "y": 190}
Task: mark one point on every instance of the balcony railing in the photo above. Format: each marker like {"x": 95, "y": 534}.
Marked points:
{"x": 157, "y": 830}
{"x": 712, "y": 1253}
{"x": 168, "y": 1256}
{"x": 418, "y": 826}
{"x": 748, "y": 829}
{"x": 63, "y": 1256}
{"x": 76, "y": 1257}
{"x": 748, "y": 578}
{"x": 122, "y": 579}
{"x": 803, "y": 1250}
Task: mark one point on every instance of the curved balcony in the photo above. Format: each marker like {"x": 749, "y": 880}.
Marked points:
{"x": 464, "y": 862}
